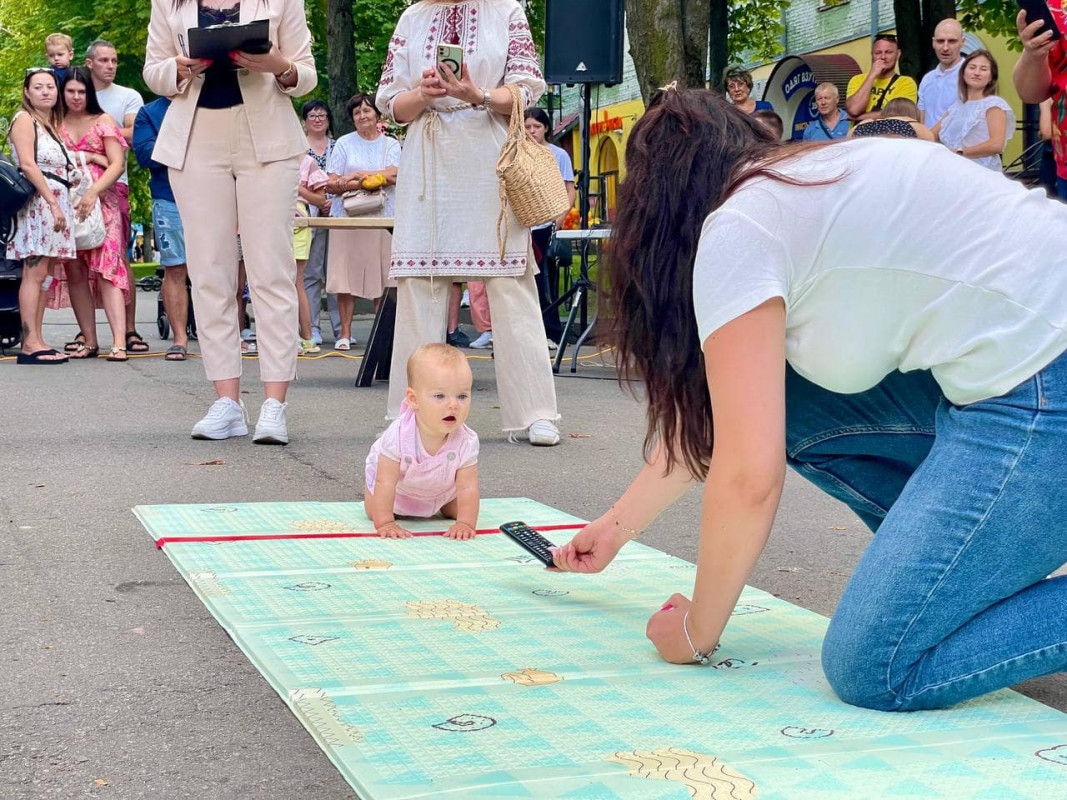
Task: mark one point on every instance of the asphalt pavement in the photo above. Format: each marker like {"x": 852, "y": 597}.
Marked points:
{"x": 119, "y": 684}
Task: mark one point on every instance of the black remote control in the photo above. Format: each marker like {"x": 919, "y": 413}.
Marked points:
{"x": 530, "y": 540}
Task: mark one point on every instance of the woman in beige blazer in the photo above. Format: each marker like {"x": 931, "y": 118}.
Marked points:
{"x": 233, "y": 144}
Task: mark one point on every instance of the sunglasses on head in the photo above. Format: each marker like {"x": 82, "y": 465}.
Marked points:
{"x": 886, "y": 37}
{"x": 35, "y": 70}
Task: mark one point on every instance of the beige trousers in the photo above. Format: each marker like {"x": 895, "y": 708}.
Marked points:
{"x": 222, "y": 190}
{"x": 523, "y": 369}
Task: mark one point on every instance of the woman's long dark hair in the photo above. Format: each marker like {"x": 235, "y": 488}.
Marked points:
{"x": 83, "y": 76}
{"x": 684, "y": 158}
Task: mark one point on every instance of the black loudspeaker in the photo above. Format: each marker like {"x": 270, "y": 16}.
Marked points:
{"x": 583, "y": 41}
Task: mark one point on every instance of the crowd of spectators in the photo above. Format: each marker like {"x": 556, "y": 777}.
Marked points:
{"x": 95, "y": 121}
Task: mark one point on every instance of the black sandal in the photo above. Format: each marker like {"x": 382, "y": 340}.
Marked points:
{"x": 79, "y": 341}
{"x": 135, "y": 343}
{"x": 83, "y": 352}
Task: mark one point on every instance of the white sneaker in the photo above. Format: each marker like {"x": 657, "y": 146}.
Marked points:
{"x": 271, "y": 427}
{"x": 483, "y": 342}
{"x": 543, "y": 433}
{"x": 224, "y": 419}
{"x": 248, "y": 335}
{"x": 465, "y": 301}
{"x": 552, "y": 346}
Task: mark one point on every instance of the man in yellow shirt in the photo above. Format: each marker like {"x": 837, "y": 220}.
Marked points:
{"x": 868, "y": 92}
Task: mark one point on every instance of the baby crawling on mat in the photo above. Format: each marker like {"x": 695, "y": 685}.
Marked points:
{"x": 426, "y": 462}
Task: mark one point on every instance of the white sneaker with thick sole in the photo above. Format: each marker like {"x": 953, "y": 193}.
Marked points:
{"x": 552, "y": 346}
{"x": 224, "y": 419}
{"x": 483, "y": 342}
{"x": 543, "y": 433}
{"x": 271, "y": 428}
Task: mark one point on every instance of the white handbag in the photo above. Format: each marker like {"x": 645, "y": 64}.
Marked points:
{"x": 367, "y": 202}
{"x": 89, "y": 231}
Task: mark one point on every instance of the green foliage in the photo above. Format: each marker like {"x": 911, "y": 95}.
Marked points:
{"x": 375, "y": 22}
{"x": 996, "y": 17}
{"x": 755, "y": 30}
{"x": 124, "y": 22}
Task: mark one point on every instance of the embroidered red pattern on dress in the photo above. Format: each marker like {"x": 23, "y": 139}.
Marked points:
{"x": 452, "y": 25}
{"x": 522, "y": 58}
{"x": 412, "y": 264}
{"x": 389, "y": 70}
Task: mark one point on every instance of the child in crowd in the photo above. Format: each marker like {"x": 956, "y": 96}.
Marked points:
{"x": 60, "y": 50}
{"x": 426, "y": 462}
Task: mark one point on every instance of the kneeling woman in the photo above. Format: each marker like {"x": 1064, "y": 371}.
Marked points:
{"x": 913, "y": 368}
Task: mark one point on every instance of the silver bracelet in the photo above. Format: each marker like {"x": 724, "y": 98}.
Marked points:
{"x": 702, "y": 658}
{"x": 487, "y": 99}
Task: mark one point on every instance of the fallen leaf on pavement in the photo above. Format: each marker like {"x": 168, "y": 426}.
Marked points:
{"x": 218, "y": 462}
{"x": 581, "y": 436}
{"x": 837, "y": 528}
{"x": 788, "y": 569}
{"x": 100, "y": 782}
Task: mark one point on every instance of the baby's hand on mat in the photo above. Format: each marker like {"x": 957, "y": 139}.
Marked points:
{"x": 461, "y": 531}
{"x": 391, "y": 530}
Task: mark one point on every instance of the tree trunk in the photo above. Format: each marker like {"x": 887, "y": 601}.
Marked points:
{"x": 341, "y": 49}
{"x": 668, "y": 42}
{"x": 916, "y": 20}
{"x": 696, "y": 26}
{"x": 719, "y": 55}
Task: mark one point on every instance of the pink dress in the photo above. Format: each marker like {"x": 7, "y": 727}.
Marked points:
{"x": 107, "y": 262}
{"x": 427, "y": 483}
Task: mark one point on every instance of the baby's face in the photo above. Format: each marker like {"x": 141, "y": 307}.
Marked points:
{"x": 442, "y": 396}
{"x": 58, "y": 56}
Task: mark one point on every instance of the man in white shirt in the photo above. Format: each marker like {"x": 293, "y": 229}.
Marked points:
{"x": 121, "y": 104}
{"x": 939, "y": 88}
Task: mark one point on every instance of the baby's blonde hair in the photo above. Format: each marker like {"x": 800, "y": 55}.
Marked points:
{"x": 443, "y": 354}
{"x": 59, "y": 39}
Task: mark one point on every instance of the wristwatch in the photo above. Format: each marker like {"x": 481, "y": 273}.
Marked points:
{"x": 284, "y": 74}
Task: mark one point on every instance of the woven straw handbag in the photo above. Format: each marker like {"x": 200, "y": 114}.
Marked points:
{"x": 530, "y": 180}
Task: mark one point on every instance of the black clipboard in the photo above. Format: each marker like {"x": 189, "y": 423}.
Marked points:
{"x": 216, "y": 42}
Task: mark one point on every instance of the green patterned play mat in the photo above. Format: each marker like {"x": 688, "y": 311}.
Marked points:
{"x": 435, "y": 668}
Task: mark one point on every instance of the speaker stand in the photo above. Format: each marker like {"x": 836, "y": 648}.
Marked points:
{"x": 578, "y": 294}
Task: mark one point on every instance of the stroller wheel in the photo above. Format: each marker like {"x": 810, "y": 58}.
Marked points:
{"x": 164, "y": 326}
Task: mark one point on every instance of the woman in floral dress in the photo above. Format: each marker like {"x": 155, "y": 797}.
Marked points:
{"x": 43, "y": 230}
{"x": 100, "y": 277}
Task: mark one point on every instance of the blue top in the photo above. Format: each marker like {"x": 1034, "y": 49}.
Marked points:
{"x": 145, "y": 130}
{"x": 817, "y": 129}
{"x": 762, "y": 105}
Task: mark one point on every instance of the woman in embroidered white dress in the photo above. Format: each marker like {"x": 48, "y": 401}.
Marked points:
{"x": 979, "y": 125}
{"x": 448, "y": 200}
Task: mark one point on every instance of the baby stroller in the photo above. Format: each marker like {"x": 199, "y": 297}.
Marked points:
{"x": 161, "y": 313}
{"x": 10, "y": 322}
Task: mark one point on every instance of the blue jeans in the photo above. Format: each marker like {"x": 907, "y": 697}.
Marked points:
{"x": 969, "y": 504}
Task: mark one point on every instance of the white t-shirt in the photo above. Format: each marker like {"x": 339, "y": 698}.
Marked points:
{"x": 938, "y": 90}
{"x": 966, "y": 124}
{"x": 352, "y": 152}
{"x": 118, "y": 101}
{"x": 915, "y": 259}
{"x": 566, "y": 169}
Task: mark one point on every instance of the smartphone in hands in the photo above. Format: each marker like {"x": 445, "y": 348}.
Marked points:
{"x": 450, "y": 56}
{"x": 1039, "y": 10}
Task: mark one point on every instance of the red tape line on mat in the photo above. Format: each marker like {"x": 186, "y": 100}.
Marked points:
{"x": 263, "y": 537}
